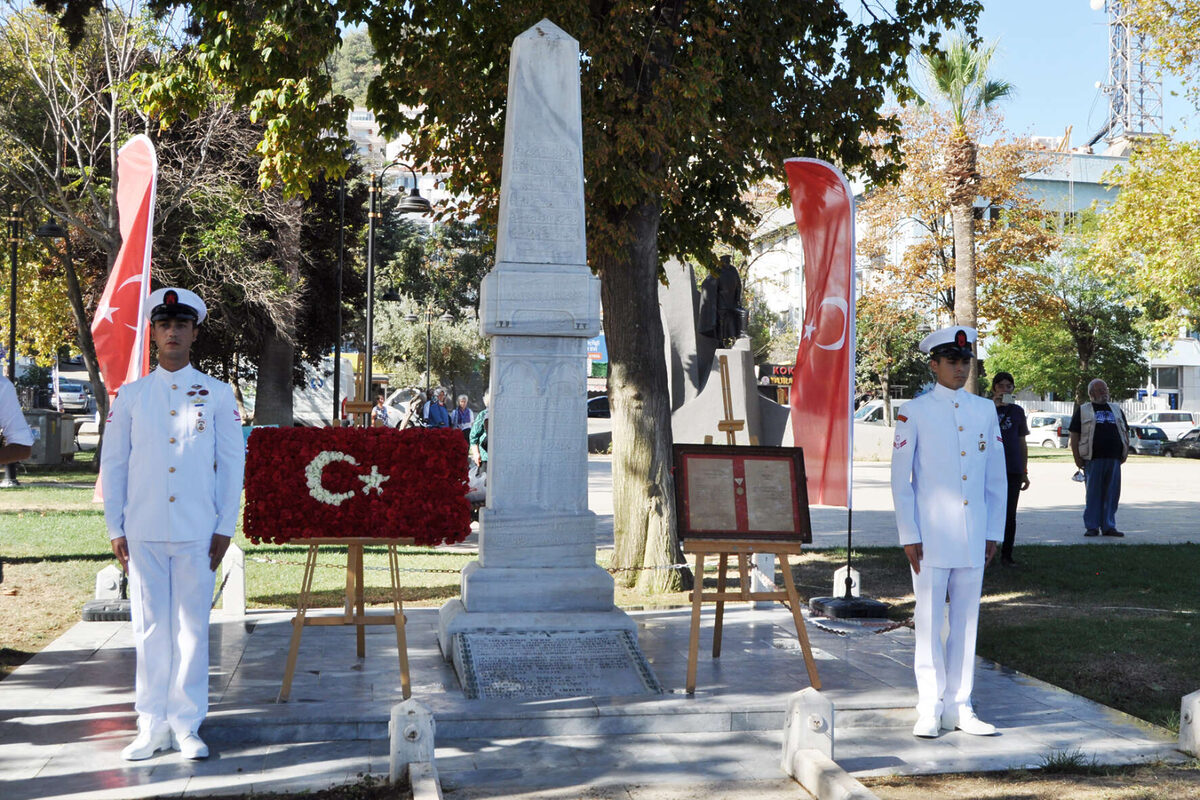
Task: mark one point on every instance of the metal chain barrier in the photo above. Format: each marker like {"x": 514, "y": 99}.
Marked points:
{"x": 261, "y": 560}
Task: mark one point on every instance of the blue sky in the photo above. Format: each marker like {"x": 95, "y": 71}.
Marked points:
{"x": 1054, "y": 52}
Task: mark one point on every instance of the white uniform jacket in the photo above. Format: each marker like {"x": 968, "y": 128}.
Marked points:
{"x": 949, "y": 485}
{"x": 173, "y": 459}
{"x": 12, "y": 419}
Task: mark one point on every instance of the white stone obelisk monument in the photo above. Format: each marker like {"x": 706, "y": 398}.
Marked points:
{"x": 537, "y": 571}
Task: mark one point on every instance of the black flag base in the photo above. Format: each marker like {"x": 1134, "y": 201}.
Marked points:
{"x": 848, "y": 607}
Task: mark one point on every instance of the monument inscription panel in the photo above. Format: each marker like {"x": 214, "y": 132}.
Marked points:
{"x": 554, "y": 664}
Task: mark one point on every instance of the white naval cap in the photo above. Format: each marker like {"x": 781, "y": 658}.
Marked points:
{"x": 170, "y": 302}
{"x": 955, "y": 340}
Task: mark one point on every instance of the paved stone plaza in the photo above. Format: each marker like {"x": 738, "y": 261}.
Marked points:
{"x": 65, "y": 715}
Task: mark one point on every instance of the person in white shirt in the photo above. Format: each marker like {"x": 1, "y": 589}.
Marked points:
{"x": 171, "y": 468}
{"x": 948, "y": 487}
{"x": 18, "y": 438}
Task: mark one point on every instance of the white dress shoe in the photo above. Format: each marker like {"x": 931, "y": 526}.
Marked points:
{"x": 967, "y": 722}
{"x": 927, "y": 728}
{"x": 146, "y": 744}
{"x": 191, "y": 746}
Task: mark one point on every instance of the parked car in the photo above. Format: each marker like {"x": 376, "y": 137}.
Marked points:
{"x": 1173, "y": 423}
{"x": 598, "y": 407}
{"x": 871, "y": 412}
{"x": 1186, "y": 446}
{"x": 1147, "y": 440}
{"x": 1048, "y": 430}
{"x": 74, "y": 396}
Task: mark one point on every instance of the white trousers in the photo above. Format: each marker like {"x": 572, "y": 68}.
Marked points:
{"x": 171, "y": 590}
{"x": 945, "y": 672}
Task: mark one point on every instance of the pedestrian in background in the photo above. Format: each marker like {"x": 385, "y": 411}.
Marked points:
{"x": 477, "y": 439}
{"x": 435, "y": 413}
{"x": 1013, "y": 430}
{"x": 1100, "y": 444}
{"x": 379, "y": 412}
{"x": 18, "y": 438}
{"x": 462, "y": 417}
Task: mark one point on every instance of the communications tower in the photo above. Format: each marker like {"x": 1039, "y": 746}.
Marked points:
{"x": 1134, "y": 89}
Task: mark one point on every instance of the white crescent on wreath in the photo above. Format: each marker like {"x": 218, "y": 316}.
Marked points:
{"x": 315, "y": 472}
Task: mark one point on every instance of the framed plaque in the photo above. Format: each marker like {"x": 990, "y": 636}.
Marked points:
{"x": 740, "y": 492}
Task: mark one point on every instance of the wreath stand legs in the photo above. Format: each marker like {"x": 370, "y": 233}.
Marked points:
{"x": 354, "y": 611}
{"x": 743, "y": 550}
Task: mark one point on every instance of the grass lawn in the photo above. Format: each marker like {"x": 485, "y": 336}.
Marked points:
{"x": 1119, "y": 625}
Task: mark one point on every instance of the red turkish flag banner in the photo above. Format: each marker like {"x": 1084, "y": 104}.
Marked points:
{"x": 304, "y": 483}
{"x": 118, "y": 329}
{"x": 822, "y": 395}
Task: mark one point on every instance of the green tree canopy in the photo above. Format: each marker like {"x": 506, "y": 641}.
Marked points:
{"x": 1150, "y": 235}
{"x": 887, "y": 353}
{"x": 1090, "y": 330}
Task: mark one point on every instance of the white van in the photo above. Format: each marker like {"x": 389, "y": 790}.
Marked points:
{"x": 872, "y": 412}
{"x": 1173, "y": 423}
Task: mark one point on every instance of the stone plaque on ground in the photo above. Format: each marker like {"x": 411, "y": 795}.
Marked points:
{"x": 553, "y": 664}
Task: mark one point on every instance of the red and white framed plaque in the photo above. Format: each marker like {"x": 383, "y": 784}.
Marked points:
{"x": 741, "y": 492}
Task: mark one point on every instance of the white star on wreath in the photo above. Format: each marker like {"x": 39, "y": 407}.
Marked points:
{"x": 374, "y": 480}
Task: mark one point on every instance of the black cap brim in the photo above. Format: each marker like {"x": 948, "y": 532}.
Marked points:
{"x": 951, "y": 350}
{"x": 173, "y": 311}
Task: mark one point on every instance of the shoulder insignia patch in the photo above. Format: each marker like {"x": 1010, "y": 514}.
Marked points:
{"x": 901, "y": 418}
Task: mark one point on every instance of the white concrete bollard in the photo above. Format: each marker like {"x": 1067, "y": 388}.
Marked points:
{"x": 108, "y": 583}
{"x": 839, "y": 582}
{"x": 233, "y": 576}
{"x": 411, "y": 731}
{"x": 762, "y": 579}
{"x": 1189, "y": 724}
{"x": 807, "y": 726}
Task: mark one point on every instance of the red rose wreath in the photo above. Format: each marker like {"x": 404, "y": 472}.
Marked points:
{"x": 356, "y": 482}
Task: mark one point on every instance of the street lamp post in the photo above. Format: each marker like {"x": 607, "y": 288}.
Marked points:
{"x": 412, "y": 204}
{"x": 427, "y": 313}
{"x": 337, "y": 344}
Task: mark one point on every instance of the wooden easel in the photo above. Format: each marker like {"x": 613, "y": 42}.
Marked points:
{"x": 354, "y": 611}
{"x": 743, "y": 549}
{"x": 728, "y": 425}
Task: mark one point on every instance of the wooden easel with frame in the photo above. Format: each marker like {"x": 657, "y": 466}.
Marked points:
{"x": 354, "y": 612}
{"x": 739, "y": 501}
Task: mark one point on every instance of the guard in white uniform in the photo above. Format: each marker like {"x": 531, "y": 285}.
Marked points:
{"x": 18, "y": 438}
{"x": 171, "y": 469}
{"x": 949, "y": 489}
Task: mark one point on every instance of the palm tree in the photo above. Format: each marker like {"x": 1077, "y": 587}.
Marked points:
{"x": 958, "y": 78}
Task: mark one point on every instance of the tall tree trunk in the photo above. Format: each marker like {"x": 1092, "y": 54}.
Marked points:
{"x": 235, "y": 381}
{"x": 84, "y": 338}
{"x": 885, "y": 384}
{"x": 644, "y": 520}
{"x": 273, "y": 396}
{"x": 962, "y": 183}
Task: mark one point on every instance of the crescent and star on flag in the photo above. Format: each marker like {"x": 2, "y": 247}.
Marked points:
{"x": 106, "y": 310}
{"x": 315, "y": 472}
{"x": 811, "y": 327}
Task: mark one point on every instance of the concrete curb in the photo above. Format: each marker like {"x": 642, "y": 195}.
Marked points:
{"x": 824, "y": 779}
